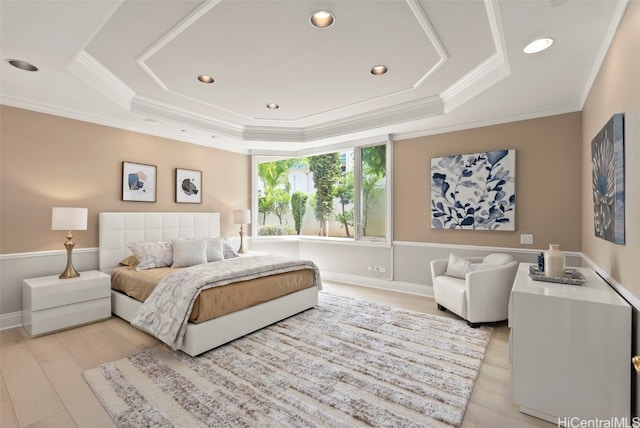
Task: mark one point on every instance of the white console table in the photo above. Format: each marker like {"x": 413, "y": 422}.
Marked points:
{"x": 569, "y": 349}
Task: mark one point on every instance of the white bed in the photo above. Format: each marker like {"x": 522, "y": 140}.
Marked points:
{"x": 119, "y": 229}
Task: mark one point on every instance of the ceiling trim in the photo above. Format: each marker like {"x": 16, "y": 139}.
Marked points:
{"x": 418, "y": 109}
{"x": 169, "y": 36}
{"x": 618, "y": 14}
{"x": 89, "y": 70}
{"x": 148, "y": 106}
{"x": 99, "y": 120}
{"x": 488, "y": 73}
{"x": 349, "y": 144}
{"x": 431, "y": 35}
{"x": 481, "y": 124}
{"x": 412, "y": 110}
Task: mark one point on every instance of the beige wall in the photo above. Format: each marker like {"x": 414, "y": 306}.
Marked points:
{"x": 548, "y": 174}
{"x": 49, "y": 161}
{"x": 616, "y": 90}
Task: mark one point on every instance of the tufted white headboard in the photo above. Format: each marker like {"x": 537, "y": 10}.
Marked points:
{"x": 119, "y": 229}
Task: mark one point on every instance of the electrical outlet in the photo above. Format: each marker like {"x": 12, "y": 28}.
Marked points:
{"x": 526, "y": 239}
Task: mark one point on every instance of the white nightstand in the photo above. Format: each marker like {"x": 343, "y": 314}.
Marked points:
{"x": 50, "y": 303}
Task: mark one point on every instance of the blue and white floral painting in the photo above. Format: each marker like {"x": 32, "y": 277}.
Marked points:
{"x": 607, "y": 155}
{"x": 475, "y": 191}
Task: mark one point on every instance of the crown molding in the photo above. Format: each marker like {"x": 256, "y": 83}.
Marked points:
{"x": 148, "y": 106}
{"x": 480, "y": 124}
{"x": 618, "y": 14}
{"x": 487, "y": 73}
{"x": 99, "y": 120}
{"x": 89, "y": 70}
{"x": 412, "y": 110}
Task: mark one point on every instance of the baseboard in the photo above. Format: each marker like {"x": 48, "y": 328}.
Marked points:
{"x": 11, "y": 320}
{"x": 385, "y": 284}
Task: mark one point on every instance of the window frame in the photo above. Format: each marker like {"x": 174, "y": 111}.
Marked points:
{"x": 357, "y": 146}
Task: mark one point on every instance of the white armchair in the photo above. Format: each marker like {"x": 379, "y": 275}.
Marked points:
{"x": 479, "y": 289}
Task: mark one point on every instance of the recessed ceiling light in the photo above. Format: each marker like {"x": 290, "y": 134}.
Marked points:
{"x": 322, "y": 19}
{"x": 273, "y": 106}
{"x": 153, "y": 121}
{"x": 204, "y": 78}
{"x": 378, "y": 70}
{"x": 538, "y": 45}
{"x": 22, "y": 65}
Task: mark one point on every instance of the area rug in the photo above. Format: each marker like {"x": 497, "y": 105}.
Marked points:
{"x": 344, "y": 363}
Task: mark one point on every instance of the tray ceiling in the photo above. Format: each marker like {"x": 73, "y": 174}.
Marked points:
{"x": 451, "y": 64}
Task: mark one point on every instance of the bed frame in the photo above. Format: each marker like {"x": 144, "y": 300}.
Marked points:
{"x": 119, "y": 229}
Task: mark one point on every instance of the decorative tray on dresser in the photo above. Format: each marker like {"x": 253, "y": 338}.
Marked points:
{"x": 571, "y": 276}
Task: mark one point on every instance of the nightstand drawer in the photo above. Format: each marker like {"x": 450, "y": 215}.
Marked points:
{"x": 61, "y": 317}
{"x": 50, "y": 291}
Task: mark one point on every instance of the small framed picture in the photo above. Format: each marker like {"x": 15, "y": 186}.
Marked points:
{"x": 138, "y": 182}
{"x": 188, "y": 186}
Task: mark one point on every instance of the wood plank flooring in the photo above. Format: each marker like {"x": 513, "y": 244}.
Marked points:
{"x": 41, "y": 382}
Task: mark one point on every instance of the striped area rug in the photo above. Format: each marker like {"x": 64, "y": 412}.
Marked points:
{"x": 344, "y": 363}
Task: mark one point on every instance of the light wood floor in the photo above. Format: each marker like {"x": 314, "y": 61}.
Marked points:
{"x": 41, "y": 382}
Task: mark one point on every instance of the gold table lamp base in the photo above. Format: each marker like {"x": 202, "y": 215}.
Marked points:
{"x": 69, "y": 271}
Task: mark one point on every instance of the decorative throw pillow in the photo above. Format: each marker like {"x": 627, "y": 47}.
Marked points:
{"x": 189, "y": 252}
{"x": 215, "y": 251}
{"x": 152, "y": 254}
{"x": 497, "y": 259}
{"x": 228, "y": 250}
{"x": 130, "y": 262}
{"x": 474, "y": 267}
{"x": 457, "y": 266}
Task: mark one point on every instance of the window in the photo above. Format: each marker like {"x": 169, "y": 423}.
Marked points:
{"x": 340, "y": 194}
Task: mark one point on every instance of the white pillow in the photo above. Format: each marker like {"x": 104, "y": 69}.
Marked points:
{"x": 457, "y": 266}
{"x": 189, "y": 252}
{"x": 497, "y": 259}
{"x": 228, "y": 250}
{"x": 152, "y": 254}
{"x": 214, "y": 249}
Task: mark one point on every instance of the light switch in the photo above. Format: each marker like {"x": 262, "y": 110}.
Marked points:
{"x": 526, "y": 239}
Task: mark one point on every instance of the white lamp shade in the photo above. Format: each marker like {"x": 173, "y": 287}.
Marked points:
{"x": 241, "y": 216}
{"x": 66, "y": 218}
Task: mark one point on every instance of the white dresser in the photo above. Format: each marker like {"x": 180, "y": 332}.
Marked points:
{"x": 569, "y": 349}
{"x": 50, "y": 304}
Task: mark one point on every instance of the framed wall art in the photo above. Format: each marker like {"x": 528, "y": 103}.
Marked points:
{"x": 138, "y": 182}
{"x": 188, "y": 186}
{"x": 475, "y": 191}
{"x": 607, "y": 165}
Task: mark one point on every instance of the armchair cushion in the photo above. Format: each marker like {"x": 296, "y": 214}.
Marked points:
{"x": 459, "y": 267}
{"x": 497, "y": 259}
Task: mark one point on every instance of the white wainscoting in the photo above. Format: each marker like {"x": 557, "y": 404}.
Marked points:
{"x": 406, "y": 265}
{"x": 16, "y": 267}
{"x": 412, "y": 259}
